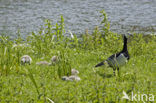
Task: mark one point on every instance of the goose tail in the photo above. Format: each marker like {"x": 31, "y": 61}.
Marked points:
{"x": 99, "y": 64}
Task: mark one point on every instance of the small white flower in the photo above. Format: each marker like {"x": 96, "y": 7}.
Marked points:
{"x": 26, "y": 59}
{"x": 15, "y": 45}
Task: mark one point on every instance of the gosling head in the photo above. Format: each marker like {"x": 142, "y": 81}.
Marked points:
{"x": 65, "y": 78}
{"x": 74, "y": 72}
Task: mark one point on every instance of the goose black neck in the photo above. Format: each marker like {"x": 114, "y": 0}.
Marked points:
{"x": 125, "y": 44}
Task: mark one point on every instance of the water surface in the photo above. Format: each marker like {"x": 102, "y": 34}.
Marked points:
{"x": 124, "y": 15}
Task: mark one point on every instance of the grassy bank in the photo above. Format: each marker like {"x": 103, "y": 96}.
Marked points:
{"x": 33, "y": 83}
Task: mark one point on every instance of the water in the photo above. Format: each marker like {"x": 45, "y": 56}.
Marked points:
{"x": 124, "y": 15}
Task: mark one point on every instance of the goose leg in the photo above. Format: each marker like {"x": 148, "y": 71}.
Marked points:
{"x": 114, "y": 71}
{"x": 118, "y": 72}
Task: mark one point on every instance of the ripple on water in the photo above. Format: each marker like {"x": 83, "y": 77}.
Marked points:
{"x": 124, "y": 15}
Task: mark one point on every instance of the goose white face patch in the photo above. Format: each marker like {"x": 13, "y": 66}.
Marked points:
{"x": 121, "y": 60}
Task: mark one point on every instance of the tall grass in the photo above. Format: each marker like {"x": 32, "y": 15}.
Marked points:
{"x": 32, "y": 83}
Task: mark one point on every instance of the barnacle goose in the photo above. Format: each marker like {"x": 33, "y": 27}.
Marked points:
{"x": 119, "y": 59}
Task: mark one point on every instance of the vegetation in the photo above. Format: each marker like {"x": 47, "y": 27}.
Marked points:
{"x": 41, "y": 84}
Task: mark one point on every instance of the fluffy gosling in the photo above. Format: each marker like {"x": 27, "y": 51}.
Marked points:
{"x": 54, "y": 59}
{"x": 43, "y": 63}
{"x": 26, "y": 59}
{"x": 73, "y": 76}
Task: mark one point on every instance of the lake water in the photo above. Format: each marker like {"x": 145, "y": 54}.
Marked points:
{"x": 124, "y": 15}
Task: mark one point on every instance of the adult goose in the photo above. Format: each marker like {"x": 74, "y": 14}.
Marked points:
{"x": 119, "y": 59}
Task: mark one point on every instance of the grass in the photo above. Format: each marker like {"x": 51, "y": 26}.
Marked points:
{"x": 40, "y": 84}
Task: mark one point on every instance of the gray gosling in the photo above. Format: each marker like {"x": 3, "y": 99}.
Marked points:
{"x": 73, "y": 76}
{"x": 43, "y": 63}
{"x": 54, "y": 59}
{"x": 26, "y": 59}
